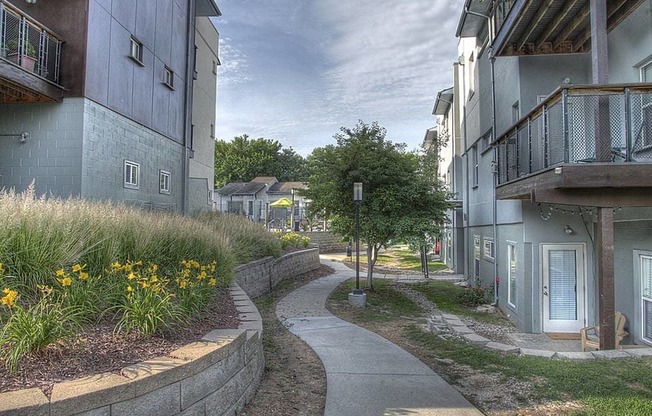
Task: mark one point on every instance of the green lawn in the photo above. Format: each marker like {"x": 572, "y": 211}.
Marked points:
{"x": 402, "y": 258}
{"x": 603, "y": 387}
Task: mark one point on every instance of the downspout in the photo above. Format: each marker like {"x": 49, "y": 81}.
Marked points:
{"x": 492, "y": 60}
{"x": 190, "y": 54}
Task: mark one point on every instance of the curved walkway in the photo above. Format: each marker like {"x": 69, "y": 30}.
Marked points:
{"x": 365, "y": 374}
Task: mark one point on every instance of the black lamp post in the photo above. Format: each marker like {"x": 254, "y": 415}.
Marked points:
{"x": 357, "y": 197}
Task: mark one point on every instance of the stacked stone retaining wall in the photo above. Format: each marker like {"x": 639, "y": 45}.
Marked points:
{"x": 259, "y": 277}
{"x": 327, "y": 241}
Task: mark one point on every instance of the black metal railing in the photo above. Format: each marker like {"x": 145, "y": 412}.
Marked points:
{"x": 579, "y": 124}
{"x": 28, "y": 44}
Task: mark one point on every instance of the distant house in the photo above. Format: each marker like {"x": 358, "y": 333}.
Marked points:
{"x": 276, "y": 204}
{"x": 550, "y": 143}
{"x": 110, "y": 101}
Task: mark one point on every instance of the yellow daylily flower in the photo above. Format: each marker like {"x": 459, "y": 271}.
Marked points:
{"x": 76, "y": 268}
{"x": 10, "y": 297}
{"x": 66, "y": 281}
{"x": 60, "y": 273}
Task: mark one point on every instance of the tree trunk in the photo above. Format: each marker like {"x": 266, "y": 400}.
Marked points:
{"x": 372, "y": 256}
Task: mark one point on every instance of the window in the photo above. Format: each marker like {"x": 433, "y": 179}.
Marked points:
{"x": 516, "y": 112}
{"x": 168, "y": 77}
{"x": 646, "y": 292}
{"x": 250, "y": 208}
{"x": 131, "y": 173}
{"x": 212, "y": 131}
{"x": 136, "y": 51}
{"x": 511, "y": 274}
{"x": 449, "y": 245}
{"x": 163, "y": 182}
{"x": 476, "y": 252}
{"x": 646, "y": 71}
{"x": 476, "y": 167}
{"x": 489, "y": 248}
{"x": 471, "y": 65}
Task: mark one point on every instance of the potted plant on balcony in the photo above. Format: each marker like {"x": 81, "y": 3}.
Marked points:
{"x": 28, "y": 60}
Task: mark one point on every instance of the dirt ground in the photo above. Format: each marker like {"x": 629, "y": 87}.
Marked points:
{"x": 294, "y": 382}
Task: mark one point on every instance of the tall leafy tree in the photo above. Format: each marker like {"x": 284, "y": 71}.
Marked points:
{"x": 243, "y": 158}
{"x": 399, "y": 202}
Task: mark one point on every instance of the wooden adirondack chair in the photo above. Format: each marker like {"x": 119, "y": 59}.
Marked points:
{"x": 591, "y": 334}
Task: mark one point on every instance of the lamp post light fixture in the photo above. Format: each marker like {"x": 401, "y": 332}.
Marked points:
{"x": 357, "y": 297}
{"x": 357, "y": 197}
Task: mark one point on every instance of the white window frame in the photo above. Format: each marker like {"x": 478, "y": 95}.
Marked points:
{"x": 643, "y": 297}
{"x": 512, "y": 267}
{"x": 476, "y": 256}
{"x": 488, "y": 248}
{"x": 643, "y": 67}
{"x": 136, "y": 51}
{"x": 131, "y": 174}
{"x": 168, "y": 77}
{"x": 164, "y": 179}
{"x": 476, "y": 165}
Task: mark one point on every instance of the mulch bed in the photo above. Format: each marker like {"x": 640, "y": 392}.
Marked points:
{"x": 98, "y": 350}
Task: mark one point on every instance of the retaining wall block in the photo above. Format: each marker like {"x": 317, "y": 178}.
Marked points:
{"x": 88, "y": 393}
{"x": 165, "y": 401}
{"x": 202, "y": 384}
{"x": 24, "y": 403}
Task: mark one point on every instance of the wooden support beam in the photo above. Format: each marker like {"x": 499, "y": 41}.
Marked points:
{"x": 534, "y": 23}
{"x": 552, "y": 26}
{"x": 604, "y": 240}
{"x": 579, "y": 19}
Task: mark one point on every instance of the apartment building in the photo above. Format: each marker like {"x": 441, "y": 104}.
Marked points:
{"x": 109, "y": 100}
{"x": 554, "y": 101}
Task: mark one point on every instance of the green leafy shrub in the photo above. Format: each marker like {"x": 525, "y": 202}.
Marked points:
{"x": 30, "y": 329}
{"x": 474, "y": 295}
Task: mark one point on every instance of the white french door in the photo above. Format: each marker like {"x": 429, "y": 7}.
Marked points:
{"x": 563, "y": 287}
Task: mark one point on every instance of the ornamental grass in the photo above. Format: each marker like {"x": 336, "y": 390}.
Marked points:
{"x": 69, "y": 263}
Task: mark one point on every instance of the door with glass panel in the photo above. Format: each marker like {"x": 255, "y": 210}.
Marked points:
{"x": 646, "y": 282}
{"x": 563, "y": 287}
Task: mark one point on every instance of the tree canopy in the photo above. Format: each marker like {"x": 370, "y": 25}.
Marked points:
{"x": 243, "y": 159}
{"x": 400, "y": 202}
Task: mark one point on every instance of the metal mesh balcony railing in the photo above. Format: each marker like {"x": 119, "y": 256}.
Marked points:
{"x": 580, "y": 124}
{"x": 28, "y": 44}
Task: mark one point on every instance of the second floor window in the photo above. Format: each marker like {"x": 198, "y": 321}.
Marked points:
{"x": 646, "y": 72}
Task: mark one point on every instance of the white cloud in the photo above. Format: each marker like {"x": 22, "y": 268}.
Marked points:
{"x": 296, "y": 71}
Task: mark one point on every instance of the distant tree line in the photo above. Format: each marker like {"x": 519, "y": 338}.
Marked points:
{"x": 243, "y": 159}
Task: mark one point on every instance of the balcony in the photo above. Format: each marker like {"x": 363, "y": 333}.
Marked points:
{"x": 30, "y": 55}
{"x": 584, "y": 145}
{"x": 538, "y": 27}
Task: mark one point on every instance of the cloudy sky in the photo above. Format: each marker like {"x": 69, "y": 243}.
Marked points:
{"x": 298, "y": 70}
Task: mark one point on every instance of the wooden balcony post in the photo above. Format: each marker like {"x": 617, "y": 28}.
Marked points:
{"x": 605, "y": 262}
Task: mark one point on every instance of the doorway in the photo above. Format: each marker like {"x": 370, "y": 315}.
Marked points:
{"x": 563, "y": 285}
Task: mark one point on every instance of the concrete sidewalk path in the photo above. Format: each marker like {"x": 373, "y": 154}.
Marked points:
{"x": 365, "y": 374}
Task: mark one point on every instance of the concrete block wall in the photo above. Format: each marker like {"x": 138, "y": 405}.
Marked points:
{"x": 327, "y": 241}
{"x": 52, "y": 154}
{"x": 259, "y": 277}
{"x": 215, "y": 376}
{"x": 109, "y": 140}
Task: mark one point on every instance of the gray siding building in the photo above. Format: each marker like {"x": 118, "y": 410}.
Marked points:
{"x": 107, "y": 109}
{"x": 555, "y": 113}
